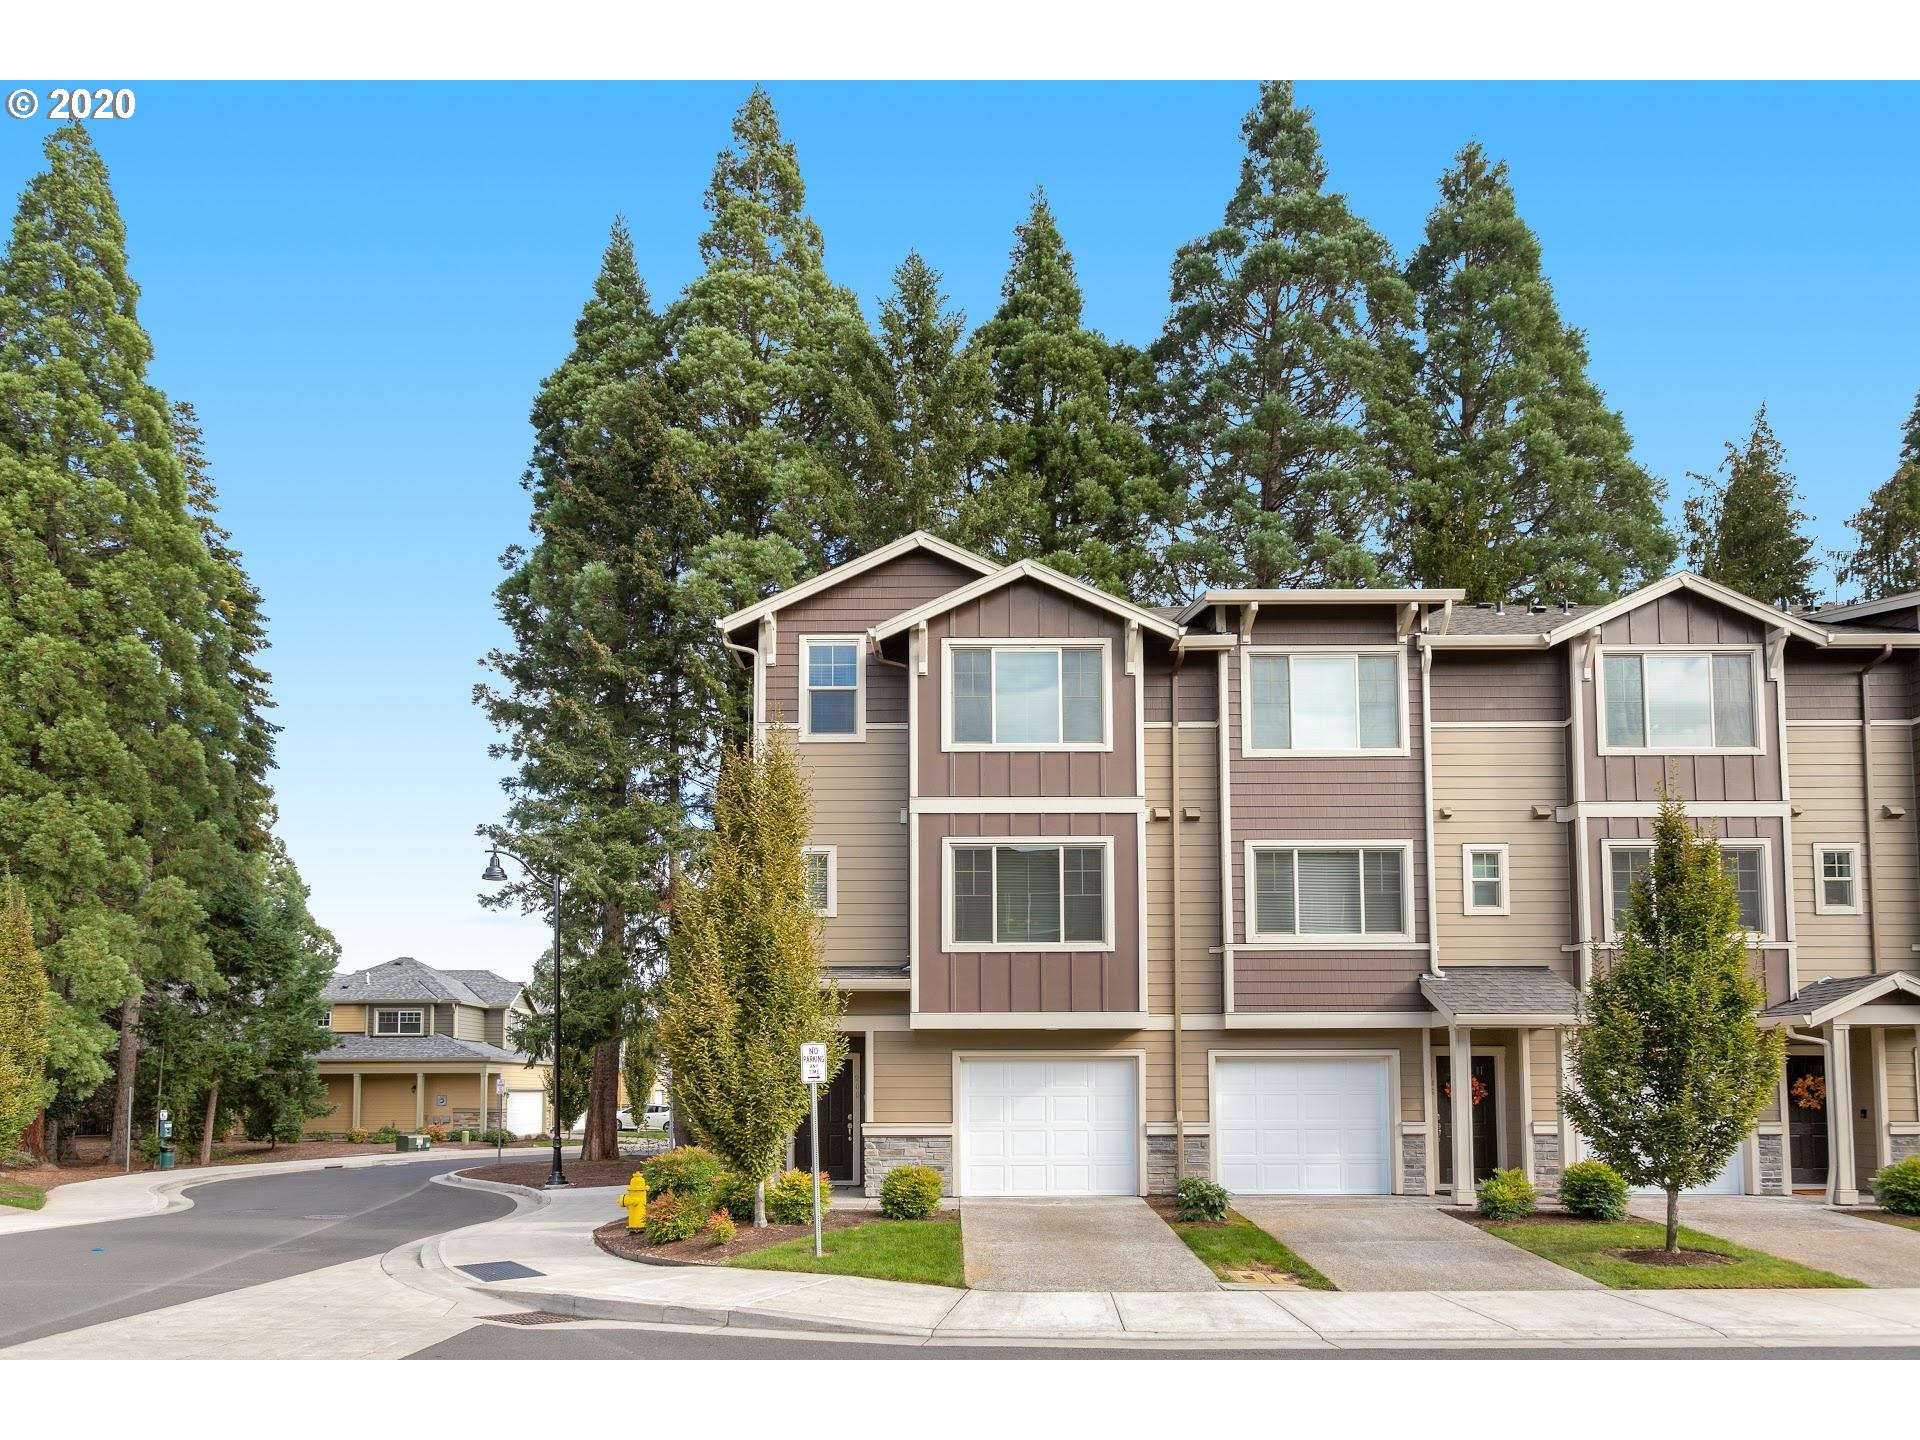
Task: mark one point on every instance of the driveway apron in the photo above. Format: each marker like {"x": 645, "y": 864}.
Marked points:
{"x": 1871, "y": 1251}
{"x": 1386, "y": 1244}
{"x": 1103, "y": 1244}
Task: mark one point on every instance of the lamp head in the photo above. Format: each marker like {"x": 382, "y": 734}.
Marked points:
{"x": 494, "y": 870}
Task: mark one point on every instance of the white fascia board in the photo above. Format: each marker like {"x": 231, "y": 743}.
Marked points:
{"x": 1029, "y": 570}
{"x": 827, "y": 579}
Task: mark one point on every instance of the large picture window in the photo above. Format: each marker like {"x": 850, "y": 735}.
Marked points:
{"x": 1320, "y": 703}
{"x": 1668, "y": 701}
{"x": 1335, "y": 892}
{"x": 1019, "y": 895}
{"x": 1746, "y": 866}
{"x": 1027, "y": 695}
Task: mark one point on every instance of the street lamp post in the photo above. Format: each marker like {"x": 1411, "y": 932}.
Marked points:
{"x": 495, "y": 873}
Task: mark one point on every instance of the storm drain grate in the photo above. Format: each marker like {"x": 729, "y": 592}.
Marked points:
{"x": 492, "y": 1270}
{"x": 531, "y": 1317}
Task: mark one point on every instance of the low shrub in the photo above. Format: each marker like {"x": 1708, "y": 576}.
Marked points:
{"x": 1505, "y": 1195}
{"x": 385, "y": 1135}
{"x": 1198, "y": 1199}
{"x": 494, "y": 1137}
{"x": 733, "y": 1194}
{"x": 1594, "y": 1190}
{"x": 910, "y": 1192}
{"x": 356, "y": 1137}
{"x": 720, "y": 1228}
{"x": 435, "y": 1133}
{"x": 690, "y": 1170}
{"x": 671, "y": 1216}
{"x": 1897, "y": 1187}
{"x": 789, "y": 1201}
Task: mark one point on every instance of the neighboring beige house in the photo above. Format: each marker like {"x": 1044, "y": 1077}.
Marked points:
{"x": 417, "y": 1046}
{"x": 1247, "y": 882}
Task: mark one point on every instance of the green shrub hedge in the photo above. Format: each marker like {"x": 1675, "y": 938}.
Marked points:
{"x": 790, "y": 1201}
{"x": 910, "y": 1192}
{"x": 733, "y": 1194}
{"x": 1897, "y": 1187}
{"x": 672, "y": 1216}
{"x": 1505, "y": 1195}
{"x": 690, "y": 1170}
{"x": 1593, "y": 1190}
{"x": 1198, "y": 1199}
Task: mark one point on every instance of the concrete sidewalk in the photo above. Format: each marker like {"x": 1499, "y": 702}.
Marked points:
{"x": 573, "y": 1277}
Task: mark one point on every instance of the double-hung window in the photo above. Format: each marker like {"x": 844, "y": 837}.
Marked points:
{"x": 1745, "y": 864}
{"x": 1836, "y": 878}
{"x": 1018, "y": 895}
{"x": 1666, "y": 700}
{"x": 1483, "y": 874}
{"x": 1027, "y": 695}
{"x": 831, "y": 675}
{"x": 326, "y": 1019}
{"x": 1313, "y": 702}
{"x": 819, "y": 861}
{"x": 1327, "y": 893}
{"x": 399, "y": 1022}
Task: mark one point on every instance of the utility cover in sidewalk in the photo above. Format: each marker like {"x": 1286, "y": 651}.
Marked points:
{"x": 529, "y": 1317}
{"x": 491, "y": 1270}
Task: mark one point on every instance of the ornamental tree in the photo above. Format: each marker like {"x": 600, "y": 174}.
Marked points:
{"x": 744, "y": 990}
{"x": 1672, "y": 1067}
{"x": 24, "y": 1012}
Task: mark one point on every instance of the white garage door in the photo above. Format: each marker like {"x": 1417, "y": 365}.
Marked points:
{"x": 1303, "y": 1127}
{"x": 524, "y": 1111}
{"x": 1730, "y": 1181}
{"x": 1048, "y": 1127}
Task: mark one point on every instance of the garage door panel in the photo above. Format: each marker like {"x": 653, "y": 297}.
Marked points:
{"x": 1303, "y": 1125}
{"x": 1060, "y": 1128}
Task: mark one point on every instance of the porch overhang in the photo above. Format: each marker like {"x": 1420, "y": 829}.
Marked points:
{"x": 1502, "y": 995}
{"x": 1827, "y": 1000}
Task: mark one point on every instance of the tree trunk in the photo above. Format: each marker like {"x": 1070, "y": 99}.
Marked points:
{"x": 120, "y": 1136}
{"x": 760, "y": 1206}
{"x": 601, "y": 1140}
{"x": 206, "y": 1128}
{"x": 34, "y": 1141}
{"x": 1673, "y": 1221}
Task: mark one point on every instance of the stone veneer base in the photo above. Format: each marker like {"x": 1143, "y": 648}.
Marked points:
{"x": 883, "y": 1153}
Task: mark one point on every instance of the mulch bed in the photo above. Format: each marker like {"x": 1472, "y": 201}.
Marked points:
{"x": 585, "y": 1174}
{"x": 1685, "y": 1258}
{"x": 1538, "y": 1217}
{"x": 1903, "y": 1222}
{"x": 614, "y": 1238}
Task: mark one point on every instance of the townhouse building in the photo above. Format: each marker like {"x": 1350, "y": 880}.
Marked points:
{"x": 1240, "y": 888}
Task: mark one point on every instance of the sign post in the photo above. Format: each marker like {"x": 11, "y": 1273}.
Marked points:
{"x": 813, "y": 1070}
{"x": 500, "y": 1130}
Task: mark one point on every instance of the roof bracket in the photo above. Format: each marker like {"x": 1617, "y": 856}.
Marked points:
{"x": 1134, "y": 648}
{"x": 1776, "y": 653}
{"x": 920, "y": 647}
{"x": 1408, "y": 618}
{"x": 769, "y": 638}
{"x": 1586, "y": 654}
{"x": 1247, "y": 614}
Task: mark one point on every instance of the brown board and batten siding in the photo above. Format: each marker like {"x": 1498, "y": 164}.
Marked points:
{"x": 1023, "y": 982}
{"x": 1199, "y": 700}
{"x": 1313, "y": 799}
{"x": 851, "y": 608}
{"x": 1027, "y": 610}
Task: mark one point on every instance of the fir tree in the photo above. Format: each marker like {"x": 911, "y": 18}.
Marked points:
{"x": 114, "y": 714}
{"x": 743, "y": 991}
{"x": 613, "y": 686}
{"x": 24, "y": 1010}
{"x": 1745, "y": 530}
{"x": 1285, "y": 362}
{"x": 1887, "y": 559}
{"x": 941, "y": 397}
{"x": 1066, "y": 476}
{"x": 1521, "y": 483}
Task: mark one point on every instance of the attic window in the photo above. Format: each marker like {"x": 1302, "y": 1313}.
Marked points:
{"x": 399, "y": 1022}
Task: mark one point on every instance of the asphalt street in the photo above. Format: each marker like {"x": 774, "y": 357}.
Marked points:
{"x": 238, "y": 1233}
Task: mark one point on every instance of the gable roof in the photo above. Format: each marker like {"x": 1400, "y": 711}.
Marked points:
{"x": 1861, "y": 609}
{"x": 494, "y": 989}
{"x": 416, "y": 1047}
{"x": 406, "y": 978}
{"x": 827, "y": 579}
{"x": 1146, "y": 618}
{"x": 1699, "y": 585}
{"x": 1824, "y": 999}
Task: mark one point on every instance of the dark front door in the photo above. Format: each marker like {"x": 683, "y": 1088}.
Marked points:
{"x": 836, "y": 1125}
{"x": 1486, "y": 1147}
{"x": 1807, "y": 1118}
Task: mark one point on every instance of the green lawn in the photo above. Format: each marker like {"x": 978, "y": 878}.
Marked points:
{"x": 1239, "y": 1244}
{"x": 1582, "y": 1246}
{"x": 21, "y": 1196}
{"x": 926, "y": 1251}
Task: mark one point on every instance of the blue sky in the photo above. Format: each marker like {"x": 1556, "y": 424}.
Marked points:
{"x": 361, "y": 286}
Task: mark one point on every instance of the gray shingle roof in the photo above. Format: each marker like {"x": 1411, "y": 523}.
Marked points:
{"x": 416, "y": 1047}
{"x": 1822, "y": 993}
{"x": 1501, "y": 990}
{"x": 1515, "y": 619}
{"x": 402, "y": 979}
{"x": 493, "y": 989}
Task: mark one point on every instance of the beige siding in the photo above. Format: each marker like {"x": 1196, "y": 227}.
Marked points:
{"x": 349, "y": 1019}
{"x": 469, "y": 1022}
{"x": 1544, "y": 1057}
{"x": 1896, "y": 887}
{"x": 1491, "y": 780}
{"x": 340, "y": 1096}
{"x": 1200, "y": 969}
{"x": 494, "y": 1027}
{"x": 1824, "y": 766}
{"x": 386, "y": 1100}
{"x": 1903, "y": 1104}
{"x": 858, "y": 794}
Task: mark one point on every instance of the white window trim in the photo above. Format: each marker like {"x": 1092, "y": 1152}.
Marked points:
{"x": 1360, "y": 940}
{"x": 1820, "y": 905}
{"x": 1105, "y": 743}
{"x": 1755, "y": 670}
{"x": 950, "y": 843}
{"x": 377, "y": 1032}
{"x": 1736, "y": 842}
{"x": 1248, "y": 750}
{"x": 1467, "y": 907}
{"x": 832, "y": 852}
{"x": 859, "y": 644}
{"x": 326, "y": 1019}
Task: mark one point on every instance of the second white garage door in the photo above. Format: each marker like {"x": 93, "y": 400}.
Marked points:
{"x": 1048, "y": 1127}
{"x": 1303, "y": 1126}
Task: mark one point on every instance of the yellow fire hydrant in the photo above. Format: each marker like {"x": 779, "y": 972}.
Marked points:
{"x": 634, "y": 1201}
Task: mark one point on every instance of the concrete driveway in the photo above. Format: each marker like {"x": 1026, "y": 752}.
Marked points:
{"x": 1092, "y": 1244}
{"x": 1388, "y": 1243}
{"x": 1871, "y": 1251}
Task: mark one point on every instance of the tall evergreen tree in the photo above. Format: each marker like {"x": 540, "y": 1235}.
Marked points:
{"x": 787, "y": 396}
{"x": 611, "y": 691}
{"x": 1886, "y": 561}
{"x": 1286, "y": 363}
{"x": 1521, "y": 483}
{"x": 113, "y": 716}
{"x": 1745, "y": 527}
{"x": 1066, "y": 475}
{"x": 941, "y": 397}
